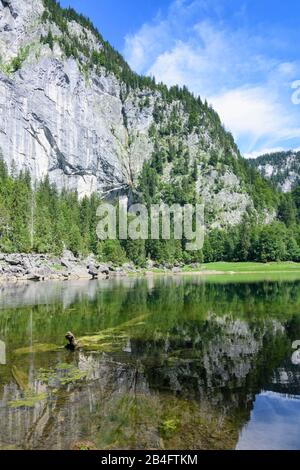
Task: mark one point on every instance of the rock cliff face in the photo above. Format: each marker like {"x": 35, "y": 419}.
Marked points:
{"x": 56, "y": 121}
{"x": 282, "y": 168}
{"x": 53, "y": 122}
{"x": 69, "y": 116}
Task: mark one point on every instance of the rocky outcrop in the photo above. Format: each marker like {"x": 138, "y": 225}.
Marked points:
{"x": 30, "y": 267}
{"x": 282, "y": 168}
{"x": 56, "y": 125}
{"x": 40, "y": 267}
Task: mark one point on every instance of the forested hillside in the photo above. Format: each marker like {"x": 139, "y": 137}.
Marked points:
{"x": 47, "y": 221}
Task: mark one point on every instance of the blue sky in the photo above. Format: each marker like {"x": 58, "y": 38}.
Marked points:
{"x": 242, "y": 55}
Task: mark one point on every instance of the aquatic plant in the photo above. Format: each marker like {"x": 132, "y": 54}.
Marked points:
{"x": 37, "y": 348}
{"x": 169, "y": 427}
{"x": 20, "y": 377}
{"x": 60, "y": 375}
{"x": 29, "y": 400}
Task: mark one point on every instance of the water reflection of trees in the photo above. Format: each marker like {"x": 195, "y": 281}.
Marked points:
{"x": 90, "y": 307}
{"x": 196, "y": 362}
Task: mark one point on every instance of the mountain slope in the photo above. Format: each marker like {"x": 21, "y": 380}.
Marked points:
{"x": 72, "y": 109}
{"x": 282, "y": 168}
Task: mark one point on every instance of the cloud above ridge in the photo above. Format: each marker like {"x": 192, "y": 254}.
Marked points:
{"x": 245, "y": 73}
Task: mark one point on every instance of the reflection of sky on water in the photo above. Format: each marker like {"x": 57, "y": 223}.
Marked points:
{"x": 274, "y": 424}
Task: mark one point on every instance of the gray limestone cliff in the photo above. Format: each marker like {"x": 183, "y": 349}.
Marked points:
{"x": 282, "y": 168}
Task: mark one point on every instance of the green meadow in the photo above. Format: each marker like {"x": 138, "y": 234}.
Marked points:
{"x": 252, "y": 267}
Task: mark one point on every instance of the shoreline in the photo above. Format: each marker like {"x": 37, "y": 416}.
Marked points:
{"x": 140, "y": 274}
{"x": 145, "y": 274}
{"x": 18, "y": 267}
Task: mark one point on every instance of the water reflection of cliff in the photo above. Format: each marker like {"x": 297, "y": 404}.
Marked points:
{"x": 185, "y": 377}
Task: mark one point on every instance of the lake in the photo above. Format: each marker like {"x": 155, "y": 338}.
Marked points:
{"x": 166, "y": 363}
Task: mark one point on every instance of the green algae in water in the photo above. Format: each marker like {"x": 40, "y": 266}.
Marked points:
{"x": 83, "y": 446}
{"x": 29, "y": 400}
{"x": 118, "y": 331}
{"x": 8, "y": 447}
{"x": 21, "y": 378}
{"x": 169, "y": 428}
{"x": 38, "y": 348}
{"x": 29, "y": 396}
{"x": 111, "y": 339}
{"x": 108, "y": 340}
{"x": 62, "y": 374}
{"x": 163, "y": 421}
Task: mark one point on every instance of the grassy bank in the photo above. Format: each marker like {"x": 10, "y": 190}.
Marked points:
{"x": 240, "y": 272}
{"x": 246, "y": 272}
{"x": 250, "y": 267}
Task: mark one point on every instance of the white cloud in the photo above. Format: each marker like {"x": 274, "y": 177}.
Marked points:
{"x": 177, "y": 67}
{"x": 288, "y": 68}
{"x": 204, "y": 56}
{"x": 148, "y": 43}
{"x": 236, "y": 70}
{"x": 255, "y": 114}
